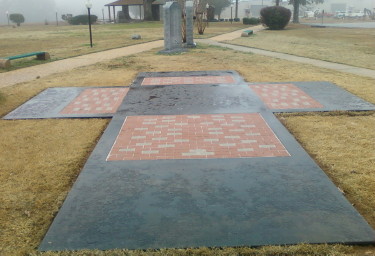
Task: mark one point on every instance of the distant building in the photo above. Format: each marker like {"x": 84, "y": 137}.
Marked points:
{"x": 251, "y": 8}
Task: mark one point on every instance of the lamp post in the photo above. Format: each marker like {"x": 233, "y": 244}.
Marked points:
{"x": 57, "y": 20}
{"x": 7, "y": 13}
{"x": 207, "y": 9}
{"x": 231, "y": 13}
{"x": 103, "y": 15}
{"x": 89, "y": 6}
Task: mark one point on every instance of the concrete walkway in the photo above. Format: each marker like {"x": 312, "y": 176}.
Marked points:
{"x": 318, "y": 63}
{"x": 31, "y": 73}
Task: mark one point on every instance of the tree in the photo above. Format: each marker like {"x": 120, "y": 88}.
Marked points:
{"x": 277, "y": 2}
{"x": 219, "y": 5}
{"x": 17, "y": 18}
{"x": 296, "y": 4}
{"x": 147, "y": 7}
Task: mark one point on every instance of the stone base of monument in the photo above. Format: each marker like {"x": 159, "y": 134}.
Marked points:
{"x": 186, "y": 45}
{"x": 173, "y": 51}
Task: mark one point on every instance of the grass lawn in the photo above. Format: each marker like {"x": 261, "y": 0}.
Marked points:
{"x": 354, "y": 47}
{"x": 68, "y": 41}
{"x": 41, "y": 159}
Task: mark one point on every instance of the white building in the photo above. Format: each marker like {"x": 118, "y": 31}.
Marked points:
{"x": 251, "y": 8}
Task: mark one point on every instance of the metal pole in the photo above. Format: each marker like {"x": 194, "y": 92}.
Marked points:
{"x": 90, "y": 27}
{"x": 114, "y": 14}
{"x": 57, "y": 21}
{"x": 109, "y": 13}
{"x": 231, "y": 14}
{"x": 322, "y": 16}
{"x": 103, "y": 15}
{"x": 8, "y": 17}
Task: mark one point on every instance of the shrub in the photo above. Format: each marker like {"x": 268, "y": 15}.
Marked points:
{"x": 82, "y": 19}
{"x": 275, "y": 17}
{"x": 236, "y": 19}
{"x": 17, "y": 18}
{"x": 250, "y": 21}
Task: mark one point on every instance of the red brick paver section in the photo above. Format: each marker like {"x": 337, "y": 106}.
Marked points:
{"x": 96, "y": 101}
{"x": 195, "y": 137}
{"x": 284, "y": 96}
{"x": 188, "y": 80}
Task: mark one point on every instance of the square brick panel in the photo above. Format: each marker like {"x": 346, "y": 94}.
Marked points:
{"x": 96, "y": 101}
{"x": 284, "y": 96}
{"x": 195, "y": 137}
{"x": 188, "y": 80}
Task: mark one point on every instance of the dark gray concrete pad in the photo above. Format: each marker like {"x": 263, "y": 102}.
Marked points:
{"x": 190, "y": 99}
{"x": 332, "y": 97}
{"x": 192, "y": 203}
{"x": 196, "y": 202}
{"x": 50, "y": 102}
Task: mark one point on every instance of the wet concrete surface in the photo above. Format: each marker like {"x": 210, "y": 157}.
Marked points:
{"x": 52, "y": 102}
{"x": 183, "y": 203}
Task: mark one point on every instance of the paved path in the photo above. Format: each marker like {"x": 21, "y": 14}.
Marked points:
{"x": 284, "y": 56}
{"x": 370, "y": 24}
{"x": 30, "y": 73}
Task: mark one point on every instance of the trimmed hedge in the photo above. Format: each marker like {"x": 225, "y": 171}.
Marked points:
{"x": 250, "y": 21}
{"x": 82, "y": 19}
{"x": 275, "y": 17}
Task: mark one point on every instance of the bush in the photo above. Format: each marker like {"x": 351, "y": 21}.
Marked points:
{"x": 82, "y": 19}
{"x": 17, "y": 18}
{"x": 236, "y": 19}
{"x": 250, "y": 21}
{"x": 275, "y": 17}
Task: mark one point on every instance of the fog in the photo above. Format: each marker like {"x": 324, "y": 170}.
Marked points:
{"x": 45, "y": 10}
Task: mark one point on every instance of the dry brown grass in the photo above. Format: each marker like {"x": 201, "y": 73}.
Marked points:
{"x": 68, "y": 41}
{"x": 354, "y": 47}
{"x": 39, "y": 162}
{"x": 336, "y": 137}
{"x": 43, "y": 157}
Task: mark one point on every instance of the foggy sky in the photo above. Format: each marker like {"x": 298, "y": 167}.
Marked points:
{"x": 41, "y": 10}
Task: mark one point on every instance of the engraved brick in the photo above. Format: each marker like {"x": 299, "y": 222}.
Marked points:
{"x": 211, "y": 140}
{"x": 232, "y": 137}
{"x": 267, "y": 146}
{"x": 148, "y": 152}
{"x": 153, "y": 132}
{"x": 249, "y": 141}
{"x": 127, "y": 149}
{"x": 236, "y": 130}
{"x": 141, "y": 129}
{"x": 143, "y": 144}
{"x": 159, "y": 138}
{"x": 245, "y": 149}
{"x": 181, "y": 140}
{"x": 228, "y": 144}
{"x": 166, "y": 146}
{"x": 215, "y": 133}
{"x": 138, "y": 137}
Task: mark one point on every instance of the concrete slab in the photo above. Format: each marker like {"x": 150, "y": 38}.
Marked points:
{"x": 71, "y": 102}
{"x": 214, "y": 202}
{"x": 308, "y": 96}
